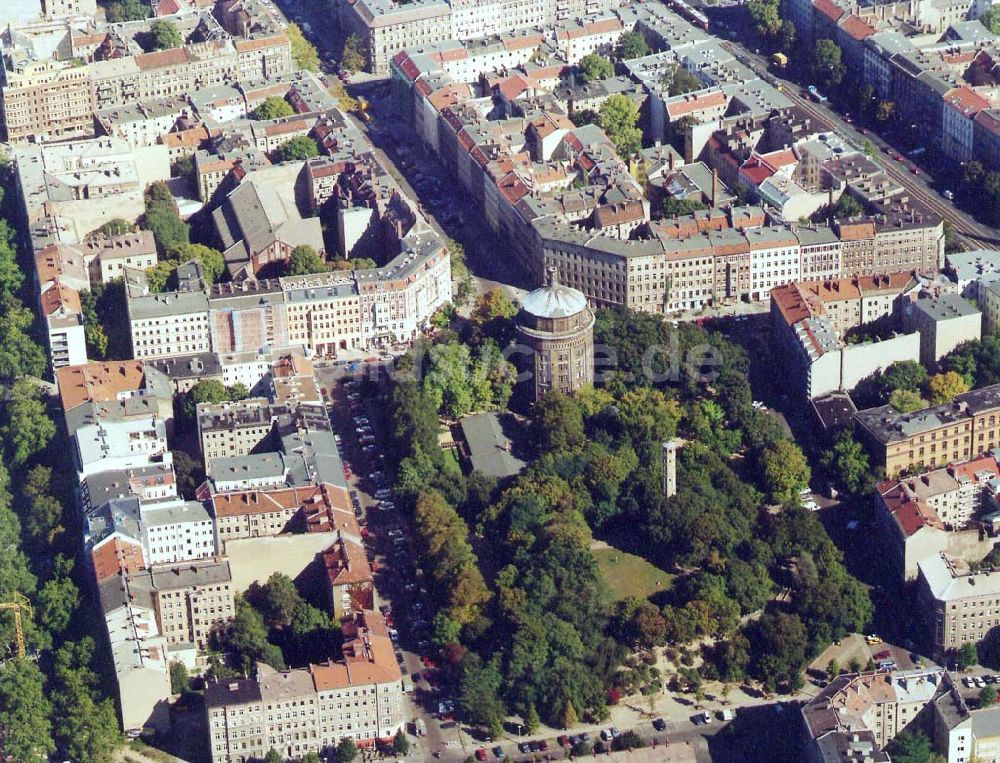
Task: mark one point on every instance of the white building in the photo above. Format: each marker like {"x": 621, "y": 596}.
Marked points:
{"x": 171, "y": 323}
{"x": 177, "y": 531}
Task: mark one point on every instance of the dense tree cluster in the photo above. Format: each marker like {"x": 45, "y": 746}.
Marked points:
{"x": 52, "y": 706}
{"x": 619, "y": 117}
{"x": 594, "y": 67}
{"x": 276, "y": 626}
{"x": 524, "y": 622}
{"x": 273, "y": 107}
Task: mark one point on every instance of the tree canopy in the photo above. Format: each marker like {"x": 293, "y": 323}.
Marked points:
{"x": 594, "y": 67}
{"x": 164, "y": 35}
{"x": 619, "y": 116}
{"x": 297, "y": 149}
{"x": 303, "y": 52}
{"x": 304, "y": 260}
{"x": 631, "y": 45}
{"x": 273, "y": 107}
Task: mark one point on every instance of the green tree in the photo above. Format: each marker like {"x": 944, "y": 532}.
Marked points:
{"x": 966, "y": 656}
{"x": 619, "y": 116}
{"x": 298, "y": 149}
{"x": 531, "y": 719}
{"x": 346, "y": 751}
{"x": 906, "y": 401}
{"x": 557, "y": 423}
{"x": 581, "y": 117}
{"x": 951, "y": 241}
{"x": 828, "y": 68}
{"x": 126, "y": 10}
{"x": 85, "y": 721}
{"x": 58, "y": 597}
{"x": 631, "y": 45}
{"x": 847, "y": 206}
{"x": 594, "y": 67}
{"x": 912, "y": 747}
{"x": 158, "y": 276}
{"x": 276, "y": 600}
{"x": 20, "y": 355}
{"x": 682, "y": 81}
{"x": 906, "y": 375}
{"x": 244, "y": 640}
{"x": 11, "y": 276}
{"x": 784, "y": 471}
{"x": 479, "y": 695}
{"x": 400, "y": 744}
{"x": 494, "y": 304}
{"x": 273, "y": 107}
{"x": 303, "y": 52}
{"x": 41, "y": 512}
{"x": 847, "y": 461}
{"x": 304, "y": 261}
{"x": 765, "y": 17}
{"x": 354, "y": 56}
{"x": 273, "y": 756}
{"x": 167, "y": 227}
{"x": 25, "y": 712}
{"x": 787, "y": 36}
{"x": 672, "y": 206}
{"x": 27, "y": 428}
{"x": 987, "y": 696}
{"x": 943, "y": 387}
{"x": 116, "y": 227}
{"x": 180, "y": 681}
{"x": 163, "y": 35}
{"x": 206, "y": 391}
{"x": 212, "y": 262}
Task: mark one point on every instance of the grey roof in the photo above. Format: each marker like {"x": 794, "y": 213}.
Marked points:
{"x": 489, "y": 447}
{"x": 167, "y": 303}
{"x": 251, "y": 466}
{"x": 197, "y": 366}
{"x": 117, "y": 591}
{"x": 986, "y": 723}
{"x": 190, "y": 574}
{"x": 943, "y": 308}
{"x": 969, "y": 266}
{"x": 554, "y": 301}
{"x": 235, "y": 691}
{"x": 310, "y": 449}
{"x": 98, "y": 489}
{"x": 120, "y": 515}
{"x": 174, "y": 513}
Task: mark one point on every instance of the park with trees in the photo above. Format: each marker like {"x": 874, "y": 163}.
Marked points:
{"x": 526, "y": 625}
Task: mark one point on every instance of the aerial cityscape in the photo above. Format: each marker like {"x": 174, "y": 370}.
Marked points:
{"x": 486, "y": 380}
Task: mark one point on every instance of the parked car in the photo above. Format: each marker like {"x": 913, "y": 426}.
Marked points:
{"x": 498, "y": 752}
{"x": 481, "y": 754}
{"x": 659, "y": 724}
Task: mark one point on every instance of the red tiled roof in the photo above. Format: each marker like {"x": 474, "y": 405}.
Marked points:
{"x": 829, "y": 9}
{"x": 966, "y": 101}
{"x": 857, "y": 28}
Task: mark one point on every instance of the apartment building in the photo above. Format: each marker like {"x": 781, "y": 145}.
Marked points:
{"x": 176, "y": 531}
{"x": 107, "y": 257}
{"x": 810, "y": 319}
{"x": 303, "y": 710}
{"x": 169, "y": 323}
{"x": 42, "y": 99}
{"x": 955, "y": 431}
{"x": 856, "y": 715}
{"x": 189, "y": 600}
{"x": 348, "y": 578}
{"x": 944, "y": 322}
{"x": 935, "y": 512}
{"x": 139, "y": 653}
{"x": 234, "y": 428}
{"x": 959, "y": 606}
{"x": 321, "y": 314}
{"x": 262, "y": 513}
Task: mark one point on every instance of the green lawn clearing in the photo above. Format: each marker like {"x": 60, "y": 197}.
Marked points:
{"x": 630, "y": 575}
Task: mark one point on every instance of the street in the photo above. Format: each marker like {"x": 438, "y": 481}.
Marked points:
{"x": 921, "y": 187}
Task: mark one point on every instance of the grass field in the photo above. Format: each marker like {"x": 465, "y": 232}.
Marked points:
{"x": 451, "y": 461}
{"x": 630, "y": 575}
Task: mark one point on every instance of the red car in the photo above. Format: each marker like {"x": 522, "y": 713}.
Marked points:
{"x": 885, "y": 654}
{"x": 897, "y": 157}
{"x": 915, "y": 170}
{"x": 563, "y": 741}
{"x": 481, "y": 754}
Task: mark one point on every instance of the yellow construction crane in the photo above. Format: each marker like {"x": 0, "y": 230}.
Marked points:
{"x": 20, "y": 603}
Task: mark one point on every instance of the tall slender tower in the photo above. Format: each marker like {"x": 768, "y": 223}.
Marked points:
{"x": 669, "y": 468}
